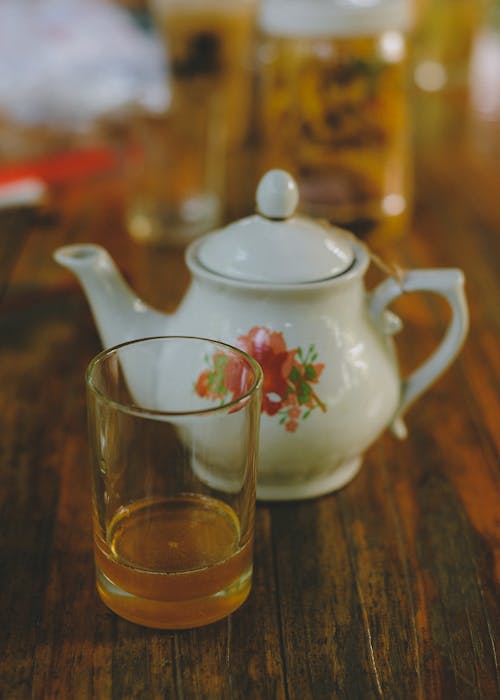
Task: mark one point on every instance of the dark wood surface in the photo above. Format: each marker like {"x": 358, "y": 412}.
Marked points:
{"x": 386, "y": 589}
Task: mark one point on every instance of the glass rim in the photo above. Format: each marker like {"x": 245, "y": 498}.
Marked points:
{"x": 133, "y": 409}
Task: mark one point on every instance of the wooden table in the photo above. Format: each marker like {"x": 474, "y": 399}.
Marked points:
{"x": 386, "y": 589}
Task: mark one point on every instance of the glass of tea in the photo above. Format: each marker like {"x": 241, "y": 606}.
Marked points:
{"x": 173, "y": 428}
{"x": 179, "y": 186}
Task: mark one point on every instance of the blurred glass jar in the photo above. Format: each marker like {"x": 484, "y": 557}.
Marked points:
{"x": 443, "y": 40}
{"x": 485, "y": 68}
{"x": 180, "y": 192}
{"x": 332, "y": 79}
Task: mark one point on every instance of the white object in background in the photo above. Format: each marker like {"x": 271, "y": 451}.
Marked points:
{"x": 22, "y": 193}
{"x": 485, "y": 74}
{"x": 66, "y": 62}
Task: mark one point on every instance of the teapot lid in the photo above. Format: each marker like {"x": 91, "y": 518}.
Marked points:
{"x": 275, "y": 246}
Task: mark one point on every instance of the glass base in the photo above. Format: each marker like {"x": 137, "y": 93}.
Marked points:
{"x": 174, "y": 614}
{"x": 163, "y": 224}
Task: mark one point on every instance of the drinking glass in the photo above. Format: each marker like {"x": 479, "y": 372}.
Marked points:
{"x": 178, "y": 188}
{"x": 173, "y": 428}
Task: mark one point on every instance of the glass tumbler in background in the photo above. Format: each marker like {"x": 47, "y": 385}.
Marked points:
{"x": 442, "y": 47}
{"x": 178, "y": 189}
{"x": 444, "y": 36}
{"x": 173, "y": 428}
{"x": 333, "y": 87}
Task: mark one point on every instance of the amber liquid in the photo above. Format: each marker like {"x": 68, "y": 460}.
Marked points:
{"x": 210, "y": 46}
{"x": 185, "y": 183}
{"x": 174, "y": 563}
{"x": 333, "y": 112}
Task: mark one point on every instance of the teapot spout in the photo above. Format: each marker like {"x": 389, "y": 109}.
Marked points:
{"x": 118, "y": 313}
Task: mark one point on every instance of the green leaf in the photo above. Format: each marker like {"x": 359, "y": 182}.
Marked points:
{"x": 220, "y": 363}
{"x": 303, "y": 393}
{"x": 217, "y": 378}
{"x": 295, "y": 376}
{"x": 310, "y": 373}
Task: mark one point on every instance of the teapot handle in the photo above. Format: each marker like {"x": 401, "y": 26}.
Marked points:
{"x": 450, "y": 284}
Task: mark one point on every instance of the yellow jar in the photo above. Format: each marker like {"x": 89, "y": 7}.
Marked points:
{"x": 333, "y": 108}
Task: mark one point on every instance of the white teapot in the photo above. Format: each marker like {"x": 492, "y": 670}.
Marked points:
{"x": 290, "y": 291}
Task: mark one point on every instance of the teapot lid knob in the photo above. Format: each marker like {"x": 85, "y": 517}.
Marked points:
{"x": 274, "y": 246}
{"x": 277, "y": 195}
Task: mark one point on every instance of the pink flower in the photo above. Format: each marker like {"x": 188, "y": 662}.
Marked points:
{"x": 269, "y": 349}
{"x": 289, "y": 376}
{"x": 202, "y": 384}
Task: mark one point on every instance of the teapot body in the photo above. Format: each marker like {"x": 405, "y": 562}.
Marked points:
{"x": 331, "y": 380}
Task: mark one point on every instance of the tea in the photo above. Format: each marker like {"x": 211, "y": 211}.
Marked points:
{"x": 189, "y": 153}
{"x": 174, "y": 563}
{"x": 211, "y": 44}
{"x": 210, "y": 48}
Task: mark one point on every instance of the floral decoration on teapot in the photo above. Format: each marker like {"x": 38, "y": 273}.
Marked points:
{"x": 290, "y": 377}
